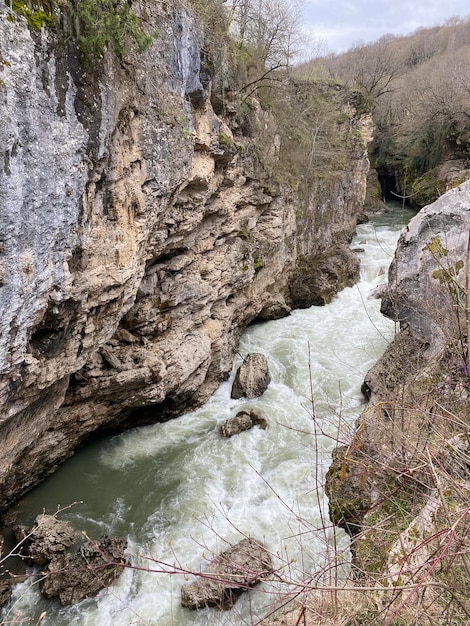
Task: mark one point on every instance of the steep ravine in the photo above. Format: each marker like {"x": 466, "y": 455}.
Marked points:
{"x": 139, "y": 236}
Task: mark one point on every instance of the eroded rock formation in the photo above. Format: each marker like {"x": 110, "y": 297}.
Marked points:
{"x": 48, "y": 538}
{"x": 72, "y": 567}
{"x": 73, "y": 577}
{"x": 139, "y": 236}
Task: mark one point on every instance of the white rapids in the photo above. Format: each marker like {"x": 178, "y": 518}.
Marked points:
{"x": 181, "y": 493}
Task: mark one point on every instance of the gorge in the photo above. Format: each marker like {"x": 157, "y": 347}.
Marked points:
{"x": 180, "y": 492}
{"x": 154, "y": 204}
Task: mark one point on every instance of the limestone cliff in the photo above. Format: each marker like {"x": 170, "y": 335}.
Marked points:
{"x": 139, "y": 236}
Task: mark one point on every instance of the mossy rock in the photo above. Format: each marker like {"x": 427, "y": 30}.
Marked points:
{"x": 371, "y": 552}
{"x": 426, "y": 189}
{"x": 347, "y": 489}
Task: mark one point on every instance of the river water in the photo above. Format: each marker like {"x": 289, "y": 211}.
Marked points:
{"x": 180, "y": 492}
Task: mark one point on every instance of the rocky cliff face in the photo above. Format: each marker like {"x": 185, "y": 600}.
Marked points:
{"x": 138, "y": 238}
{"x": 411, "y": 442}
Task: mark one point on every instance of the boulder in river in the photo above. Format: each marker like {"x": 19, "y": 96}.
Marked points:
{"x": 47, "y": 538}
{"x": 252, "y": 377}
{"x": 228, "y": 575}
{"x": 243, "y": 420}
{"x": 73, "y": 577}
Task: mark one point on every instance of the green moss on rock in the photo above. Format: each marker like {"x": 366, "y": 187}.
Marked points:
{"x": 426, "y": 188}
{"x": 347, "y": 490}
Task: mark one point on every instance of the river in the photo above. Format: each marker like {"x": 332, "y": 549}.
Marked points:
{"x": 179, "y": 491}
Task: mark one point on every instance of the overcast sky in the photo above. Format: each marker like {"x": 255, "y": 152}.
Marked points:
{"x": 343, "y": 23}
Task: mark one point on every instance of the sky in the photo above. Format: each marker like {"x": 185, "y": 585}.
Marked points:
{"x": 340, "y": 24}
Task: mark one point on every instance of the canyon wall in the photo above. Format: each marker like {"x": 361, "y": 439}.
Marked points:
{"x": 406, "y": 467}
{"x": 139, "y": 236}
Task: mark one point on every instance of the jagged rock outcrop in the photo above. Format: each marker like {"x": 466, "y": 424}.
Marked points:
{"x": 139, "y": 236}
{"x": 227, "y": 576}
{"x": 71, "y": 569}
{"x": 374, "y": 202}
{"x": 73, "y": 577}
{"x": 49, "y": 537}
{"x": 319, "y": 280}
{"x": 427, "y": 277}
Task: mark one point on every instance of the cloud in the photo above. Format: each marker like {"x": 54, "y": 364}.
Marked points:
{"x": 344, "y": 23}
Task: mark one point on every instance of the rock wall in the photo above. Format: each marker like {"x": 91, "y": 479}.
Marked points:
{"x": 400, "y": 487}
{"x": 138, "y": 238}
{"x": 419, "y": 390}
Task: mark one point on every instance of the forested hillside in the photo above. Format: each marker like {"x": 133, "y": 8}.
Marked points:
{"x": 419, "y": 88}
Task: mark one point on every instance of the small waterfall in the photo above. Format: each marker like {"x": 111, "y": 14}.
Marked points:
{"x": 179, "y": 491}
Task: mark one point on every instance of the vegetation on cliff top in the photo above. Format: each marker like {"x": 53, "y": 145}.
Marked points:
{"x": 419, "y": 86}
{"x": 95, "y": 24}
{"x": 302, "y": 127}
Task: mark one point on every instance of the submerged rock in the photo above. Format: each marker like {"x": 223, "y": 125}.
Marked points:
{"x": 230, "y": 574}
{"x": 243, "y": 420}
{"x": 252, "y": 377}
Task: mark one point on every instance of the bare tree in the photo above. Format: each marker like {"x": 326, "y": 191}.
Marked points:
{"x": 269, "y": 30}
{"x": 373, "y": 67}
